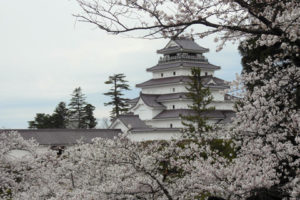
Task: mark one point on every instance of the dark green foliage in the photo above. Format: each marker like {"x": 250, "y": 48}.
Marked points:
{"x": 60, "y": 116}
{"x": 215, "y": 198}
{"x": 89, "y": 119}
{"x": 59, "y": 119}
{"x": 41, "y": 121}
{"x": 223, "y": 147}
{"x": 272, "y": 193}
{"x": 298, "y": 97}
{"x": 5, "y": 193}
{"x": 201, "y": 97}
{"x": 119, "y": 84}
{"x": 79, "y": 115}
{"x": 76, "y": 109}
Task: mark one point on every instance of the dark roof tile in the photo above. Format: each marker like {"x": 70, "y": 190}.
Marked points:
{"x": 150, "y": 100}
{"x": 133, "y": 101}
{"x": 183, "y": 44}
{"x": 176, "y": 64}
{"x": 132, "y": 121}
{"x": 64, "y": 136}
{"x": 177, "y": 79}
{"x": 215, "y": 114}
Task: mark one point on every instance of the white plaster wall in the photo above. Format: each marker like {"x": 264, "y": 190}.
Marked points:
{"x": 145, "y": 112}
{"x": 167, "y": 89}
{"x": 187, "y": 72}
{"x": 183, "y": 104}
{"x": 222, "y": 105}
{"x": 165, "y": 123}
{"x": 179, "y": 72}
{"x": 217, "y": 94}
{"x": 168, "y": 73}
{"x": 164, "y": 89}
{"x": 179, "y": 104}
{"x": 154, "y": 136}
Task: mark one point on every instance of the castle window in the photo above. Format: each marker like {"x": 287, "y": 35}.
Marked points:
{"x": 173, "y": 106}
{"x": 192, "y": 54}
{"x": 173, "y": 89}
{"x": 162, "y": 75}
{"x": 171, "y": 125}
{"x": 174, "y": 73}
{"x": 173, "y": 55}
{"x": 206, "y": 74}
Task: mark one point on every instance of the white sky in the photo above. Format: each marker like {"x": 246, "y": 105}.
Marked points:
{"x": 45, "y": 54}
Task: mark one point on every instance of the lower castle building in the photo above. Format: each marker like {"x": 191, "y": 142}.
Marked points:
{"x": 155, "y": 114}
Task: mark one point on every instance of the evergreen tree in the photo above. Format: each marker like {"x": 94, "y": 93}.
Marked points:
{"x": 89, "y": 119}
{"x": 42, "y": 121}
{"x": 201, "y": 97}
{"x": 61, "y": 116}
{"x": 77, "y": 109}
{"x": 116, "y": 92}
{"x": 80, "y": 115}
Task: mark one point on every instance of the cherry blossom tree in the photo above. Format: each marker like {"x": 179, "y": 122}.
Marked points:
{"x": 264, "y": 134}
{"x": 266, "y": 128}
{"x": 24, "y": 172}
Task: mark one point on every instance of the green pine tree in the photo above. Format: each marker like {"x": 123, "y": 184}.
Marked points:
{"x": 201, "y": 97}
{"x": 41, "y": 121}
{"x": 89, "y": 120}
{"x": 76, "y": 109}
{"x": 61, "y": 116}
{"x": 119, "y": 84}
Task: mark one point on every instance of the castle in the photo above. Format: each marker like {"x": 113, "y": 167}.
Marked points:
{"x": 155, "y": 114}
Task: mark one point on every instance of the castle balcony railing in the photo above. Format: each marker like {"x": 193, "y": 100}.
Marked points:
{"x": 197, "y": 58}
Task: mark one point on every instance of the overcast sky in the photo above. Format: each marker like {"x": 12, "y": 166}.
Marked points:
{"x": 45, "y": 54}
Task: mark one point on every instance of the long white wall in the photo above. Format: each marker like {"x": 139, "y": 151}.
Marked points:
{"x": 179, "y": 104}
{"x": 175, "y": 88}
{"x": 176, "y": 123}
{"x": 179, "y": 72}
{"x": 183, "y": 104}
{"x": 166, "y": 89}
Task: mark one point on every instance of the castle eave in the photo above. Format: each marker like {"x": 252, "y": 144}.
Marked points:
{"x": 176, "y": 113}
{"x": 218, "y": 83}
{"x": 183, "y": 64}
{"x": 182, "y": 45}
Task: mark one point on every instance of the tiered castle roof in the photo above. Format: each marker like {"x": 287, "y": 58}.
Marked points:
{"x": 182, "y": 52}
{"x": 207, "y": 81}
{"x": 178, "y": 57}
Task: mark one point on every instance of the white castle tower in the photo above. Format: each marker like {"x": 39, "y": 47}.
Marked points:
{"x": 155, "y": 114}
